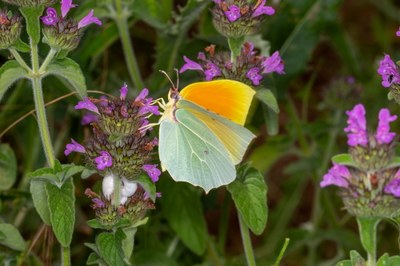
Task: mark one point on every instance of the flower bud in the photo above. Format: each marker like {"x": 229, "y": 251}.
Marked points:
{"x": 10, "y": 29}
{"x": 237, "y": 18}
{"x": 63, "y": 35}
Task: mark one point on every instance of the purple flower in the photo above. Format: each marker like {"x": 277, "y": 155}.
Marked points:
{"x": 74, "y": 147}
{"x": 233, "y": 13}
{"x": 88, "y": 105}
{"x": 382, "y": 133}
{"x": 89, "y": 118}
{"x": 66, "y": 5}
{"x": 274, "y": 63}
{"x": 393, "y": 187}
{"x": 124, "y": 91}
{"x": 254, "y": 75}
{"x": 398, "y": 33}
{"x": 104, "y": 160}
{"x": 190, "y": 65}
{"x": 149, "y": 108}
{"x": 388, "y": 70}
{"x": 263, "y": 9}
{"x": 337, "y": 175}
{"x": 88, "y": 19}
{"x": 51, "y": 17}
{"x": 98, "y": 203}
{"x": 212, "y": 71}
{"x": 142, "y": 95}
{"x": 152, "y": 171}
{"x": 357, "y": 126}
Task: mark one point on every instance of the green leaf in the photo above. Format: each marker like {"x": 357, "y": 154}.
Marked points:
{"x": 10, "y": 72}
{"x": 71, "y": 71}
{"x": 31, "y": 15}
{"x": 367, "y": 230}
{"x": 183, "y": 210}
{"x": 249, "y": 192}
{"x": 22, "y": 46}
{"x": 8, "y": 167}
{"x": 13, "y": 238}
{"x": 109, "y": 246}
{"x": 86, "y": 173}
{"x": 94, "y": 259}
{"x": 356, "y": 259}
{"x": 267, "y": 97}
{"x": 39, "y": 197}
{"x": 383, "y": 260}
{"x": 129, "y": 241}
{"x": 61, "y": 202}
{"x": 148, "y": 185}
{"x": 235, "y": 45}
{"x": 271, "y": 120}
{"x": 393, "y": 261}
{"x": 69, "y": 170}
{"x": 44, "y": 174}
{"x": 344, "y": 263}
{"x": 344, "y": 159}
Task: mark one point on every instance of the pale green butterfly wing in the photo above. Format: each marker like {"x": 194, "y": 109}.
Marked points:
{"x": 234, "y": 137}
{"x": 192, "y": 153}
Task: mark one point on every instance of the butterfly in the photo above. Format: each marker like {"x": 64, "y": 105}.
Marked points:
{"x": 201, "y": 134}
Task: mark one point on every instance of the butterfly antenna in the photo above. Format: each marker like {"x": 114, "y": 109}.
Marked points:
{"x": 172, "y": 83}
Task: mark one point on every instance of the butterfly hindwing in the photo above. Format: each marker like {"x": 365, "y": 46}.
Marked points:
{"x": 191, "y": 152}
{"x": 234, "y": 137}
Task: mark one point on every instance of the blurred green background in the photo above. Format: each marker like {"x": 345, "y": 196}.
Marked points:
{"x": 323, "y": 43}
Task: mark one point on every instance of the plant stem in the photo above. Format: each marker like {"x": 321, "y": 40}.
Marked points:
{"x": 19, "y": 59}
{"x": 131, "y": 61}
{"x": 248, "y": 249}
{"x": 40, "y": 106}
{"x": 66, "y": 255}
{"x": 47, "y": 61}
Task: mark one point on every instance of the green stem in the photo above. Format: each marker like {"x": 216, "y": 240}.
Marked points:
{"x": 66, "y": 256}
{"x": 40, "y": 106}
{"x": 117, "y": 191}
{"x": 131, "y": 61}
{"x": 47, "y": 61}
{"x": 19, "y": 59}
{"x": 367, "y": 227}
{"x": 248, "y": 249}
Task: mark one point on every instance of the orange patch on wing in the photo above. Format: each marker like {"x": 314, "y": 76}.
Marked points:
{"x": 228, "y": 98}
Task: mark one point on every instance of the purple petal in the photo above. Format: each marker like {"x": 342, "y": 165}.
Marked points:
{"x": 104, "y": 160}
{"x": 212, "y": 71}
{"x": 398, "y": 33}
{"x": 89, "y": 118}
{"x": 148, "y": 108}
{"x": 274, "y": 63}
{"x": 51, "y": 17}
{"x": 388, "y": 71}
{"x": 393, "y": 187}
{"x": 88, "y": 19}
{"x": 152, "y": 171}
{"x": 233, "y": 13}
{"x": 263, "y": 9}
{"x": 357, "y": 126}
{"x": 124, "y": 91}
{"x": 190, "y": 65}
{"x": 383, "y": 134}
{"x": 74, "y": 147}
{"x": 66, "y": 5}
{"x": 142, "y": 95}
{"x": 254, "y": 75}
{"x": 88, "y": 105}
{"x": 337, "y": 175}
{"x": 98, "y": 203}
